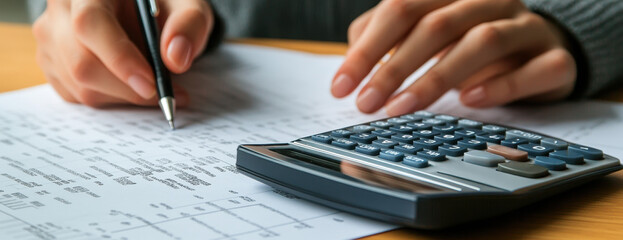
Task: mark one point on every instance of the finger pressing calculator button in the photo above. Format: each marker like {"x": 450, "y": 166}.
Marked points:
{"x": 466, "y": 123}
{"x": 384, "y": 143}
{"x": 446, "y": 129}
{"x": 425, "y": 133}
{"x": 392, "y": 155}
{"x": 406, "y": 148}
{"x": 344, "y": 143}
{"x": 471, "y": 133}
{"x": 363, "y": 137}
{"x": 535, "y": 149}
{"x": 322, "y": 138}
{"x": 568, "y": 156}
{"x": 493, "y": 129}
{"x": 404, "y": 138}
{"x": 383, "y": 133}
{"x": 483, "y": 158}
{"x": 508, "y": 153}
{"x": 363, "y": 129}
{"x": 554, "y": 143}
{"x": 431, "y": 155}
{"x": 451, "y": 150}
{"x": 523, "y": 169}
{"x": 381, "y": 124}
{"x": 428, "y": 143}
{"x": 531, "y": 137}
{"x": 550, "y": 163}
{"x": 513, "y": 142}
{"x": 473, "y": 144}
{"x": 587, "y": 152}
{"x": 419, "y": 126}
{"x": 415, "y": 161}
{"x": 341, "y": 133}
{"x": 447, "y": 138}
{"x": 368, "y": 149}
{"x": 401, "y": 129}
{"x": 492, "y": 138}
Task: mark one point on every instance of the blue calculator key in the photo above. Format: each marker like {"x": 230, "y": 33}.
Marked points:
{"x": 401, "y": 129}
{"x": 469, "y": 133}
{"x": 495, "y": 129}
{"x": 368, "y": 149}
{"x": 531, "y": 137}
{"x": 363, "y": 129}
{"x": 550, "y": 163}
{"x": 344, "y": 143}
{"x": 473, "y": 144}
{"x": 434, "y": 121}
{"x": 587, "y": 152}
{"x": 404, "y": 138}
{"x": 322, "y": 138}
{"x": 397, "y": 121}
{"x": 424, "y": 114}
{"x": 415, "y": 161}
{"x": 419, "y": 126}
{"x": 406, "y": 148}
{"x": 431, "y": 155}
{"x": 451, "y": 150}
{"x": 381, "y": 124}
{"x": 569, "y": 157}
{"x": 341, "y": 133}
{"x": 513, "y": 142}
{"x": 492, "y": 138}
{"x": 425, "y": 133}
{"x": 535, "y": 149}
{"x": 466, "y": 123}
{"x": 363, "y": 137}
{"x": 412, "y": 117}
{"x": 447, "y": 138}
{"x": 384, "y": 143}
{"x": 556, "y": 144}
{"x": 446, "y": 129}
{"x": 392, "y": 155}
{"x": 447, "y": 118}
{"x": 383, "y": 133}
{"x": 428, "y": 144}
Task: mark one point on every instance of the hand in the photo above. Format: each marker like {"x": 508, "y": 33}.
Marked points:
{"x": 494, "y": 51}
{"x": 90, "y": 50}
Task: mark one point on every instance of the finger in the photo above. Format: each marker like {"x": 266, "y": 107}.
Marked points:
{"x": 391, "y": 20}
{"x": 436, "y": 31}
{"x": 60, "y": 89}
{"x": 185, "y": 32}
{"x": 493, "y": 70}
{"x": 358, "y": 25}
{"x": 481, "y": 46}
{"x": 97, "y": 28}
{"x": 551, "y": 72}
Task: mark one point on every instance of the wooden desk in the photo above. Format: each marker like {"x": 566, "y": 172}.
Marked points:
{"x": 592, "y": 211}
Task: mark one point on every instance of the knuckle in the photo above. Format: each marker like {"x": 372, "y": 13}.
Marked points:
{"x": 391, "y": 74}
{"x": 561, "y": 63}
{"x": 361, "y": 56}
{"x": 83, "y": 19}
{"x": 355, "y": 28}
{"x": 436, "y": 24}
{"x": 81, "y": 69}
{"x": 399, "y": 8}
{"x": 512, "y": 87}
{"x": 437, "y": 81}
{"x": 488, "y": 36}
{"x": 38, "y": 29}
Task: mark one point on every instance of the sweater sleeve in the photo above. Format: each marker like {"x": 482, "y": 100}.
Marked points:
{"x": 596, "y": 35}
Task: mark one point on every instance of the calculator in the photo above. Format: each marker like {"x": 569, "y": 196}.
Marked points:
{"x": 425, "y": 170}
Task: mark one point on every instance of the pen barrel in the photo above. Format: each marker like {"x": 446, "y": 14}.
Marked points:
{"x": 151, "y": 34}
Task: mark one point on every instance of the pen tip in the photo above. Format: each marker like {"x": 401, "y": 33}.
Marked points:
{"x": 172, "y": 125}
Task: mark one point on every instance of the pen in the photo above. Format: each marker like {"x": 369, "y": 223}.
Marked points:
{"x": 147, "y": 12}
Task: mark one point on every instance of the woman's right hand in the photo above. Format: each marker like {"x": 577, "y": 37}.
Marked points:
{"x": 91, "y": 51}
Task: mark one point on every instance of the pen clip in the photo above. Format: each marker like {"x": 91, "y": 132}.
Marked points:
{"x": 153, "y": 5}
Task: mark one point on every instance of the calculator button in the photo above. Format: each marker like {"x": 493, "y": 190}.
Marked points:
{"x": 433, "y": 121}
{"x": 424, "y": 114}
{"x": 523, "y": 169}
{"x": 447, "y": 118}
{"x": 471, "y": 133}
{"x": 404, "y": 138}
{"x": 451, "y": 150}
{"x": 381, "y": 124}
{"x": 431, "y": 155}
{"x": 384, "y": 143}
{"x": 508, "y": 153}
{"x": 362, "y": 129}
{"x": 531, "y": 137}
{"x": 368, "y": 149}
{"x": 466, "y": 123}
{"x": 494, "y": 129}
{"x": 419, "y": 126}
{"x": 554, "y": 143}
{"x": 341, "y": 133}
{"x": 428, "y": 143}
{"x": 550, "y": 163}
{"x": 473, "y": 144}
{"x": 344, "y": 143}
{"x": 492, "y": 138}
{"x": 568, "y": 156}
{"x": 483, "y": 158}
{"x": 425, "y": 133}
{"x": 401, "y": 129}
{"x": 392, "y": 155}
{"x": 322, "y": 138}
{"x": 415, "y": 161}
{"x": 397, "y": 121}
{"x": 447, "y": 138}
{"x": 383, "y": 133}
{"x": 513, "y": 142}
{"x": 406, "y": 148}
{"x": 535, "y": 149}
{"x": 446, "y": 129}
{"x": 412, "y": 117}
{"x": 587, "y": 152}
{"x": 363, "y": 137}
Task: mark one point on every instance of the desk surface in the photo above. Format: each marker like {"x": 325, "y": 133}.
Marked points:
{"x": 592, "y": 211}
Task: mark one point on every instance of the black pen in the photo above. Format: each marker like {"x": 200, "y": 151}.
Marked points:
{"x": 147, "y": 12}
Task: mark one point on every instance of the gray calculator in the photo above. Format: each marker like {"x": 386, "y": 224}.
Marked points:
{"x": 425, "y": 170}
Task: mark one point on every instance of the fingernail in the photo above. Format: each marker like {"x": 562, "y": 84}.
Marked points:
{"x": 402, "y": 104}
{"x": 370, "y": 100}
{"x": 342, "y": 85}
{"x": 179, "y": 51}
{"x": 142, "y": 86}
{"x": 474, "y": 96}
